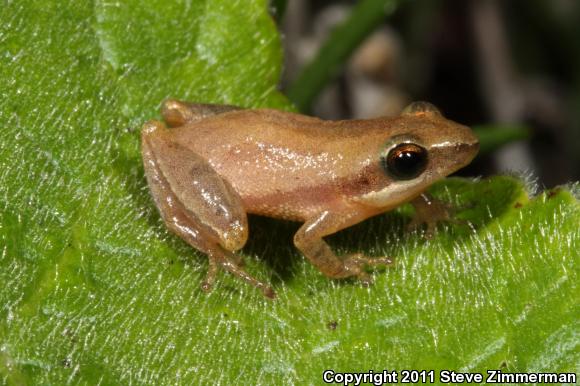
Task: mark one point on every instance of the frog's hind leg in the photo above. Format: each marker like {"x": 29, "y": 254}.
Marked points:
{"x": 178, "y": 113}
{"x": 197, "y": 204}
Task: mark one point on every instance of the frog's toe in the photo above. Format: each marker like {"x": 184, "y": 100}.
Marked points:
{"x": 227, "y": 261}
{"x": 269, "y": 292}
{"x": 355, "y": 264}
{"x": 380, "y": 261}
{"x": 206, "y": 286}
{"x": 360, "y": 261}
{"x": 239, "y": 260}
{"x": 208, "y": 282}
{"x": 365, "y": 279}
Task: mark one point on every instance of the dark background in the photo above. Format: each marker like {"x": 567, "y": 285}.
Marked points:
{"x": 489, "y": 63}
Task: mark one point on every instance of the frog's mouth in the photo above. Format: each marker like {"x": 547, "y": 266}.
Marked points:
{"x": 397, "y": 192}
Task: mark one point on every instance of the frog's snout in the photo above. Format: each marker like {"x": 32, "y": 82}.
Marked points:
{"x": 467, "y": 151}
{"x": 466, "y": 144}
{"x": 458, "y": 151}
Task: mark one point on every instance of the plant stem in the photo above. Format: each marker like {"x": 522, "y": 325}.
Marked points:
{"x": 363, "y": 20}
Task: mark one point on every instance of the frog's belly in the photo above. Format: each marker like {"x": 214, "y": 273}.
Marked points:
{"x": 295, "y": 205}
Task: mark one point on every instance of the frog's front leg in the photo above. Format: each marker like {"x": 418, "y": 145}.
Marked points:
{"x": 178, "y": 113}
{"x": 431, "y": 211}
{"x": 309, "y": 241}
{"x": 196, "y": 203}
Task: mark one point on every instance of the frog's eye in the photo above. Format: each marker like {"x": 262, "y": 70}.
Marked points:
{"x": 405, "y": 161}
{"x": 417, "y": 108}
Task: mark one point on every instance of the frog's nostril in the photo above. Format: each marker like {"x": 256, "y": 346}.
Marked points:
{"x": 467, "y": 150}
{"x": 462, "y": 147}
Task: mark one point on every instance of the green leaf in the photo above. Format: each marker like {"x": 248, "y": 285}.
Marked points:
{"x": 96, "y": 291}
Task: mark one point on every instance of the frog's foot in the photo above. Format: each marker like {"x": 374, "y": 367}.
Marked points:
{"x": 430, "y": 211}
{"x": 355, "y": 265}
{"x": 232, "y": 264}
{"x": 238, "y": 271}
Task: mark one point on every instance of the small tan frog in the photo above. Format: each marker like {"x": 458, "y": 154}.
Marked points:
{"x": 217, "y": 163}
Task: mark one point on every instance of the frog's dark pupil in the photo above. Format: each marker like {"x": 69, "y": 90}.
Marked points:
{"x": 405, "y": 161}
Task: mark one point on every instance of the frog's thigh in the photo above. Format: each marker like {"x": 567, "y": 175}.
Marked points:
{"x": 197, "y": 204}
{"x": 177, "y": 113}
{"x": 194, "y": 200}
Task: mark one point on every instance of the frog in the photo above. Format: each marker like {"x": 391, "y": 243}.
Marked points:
{"x": 208, "y": 166}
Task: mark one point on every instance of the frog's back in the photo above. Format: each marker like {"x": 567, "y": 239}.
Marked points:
{"x": 283, "y": 164}
{"x": 263, "y": 125}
